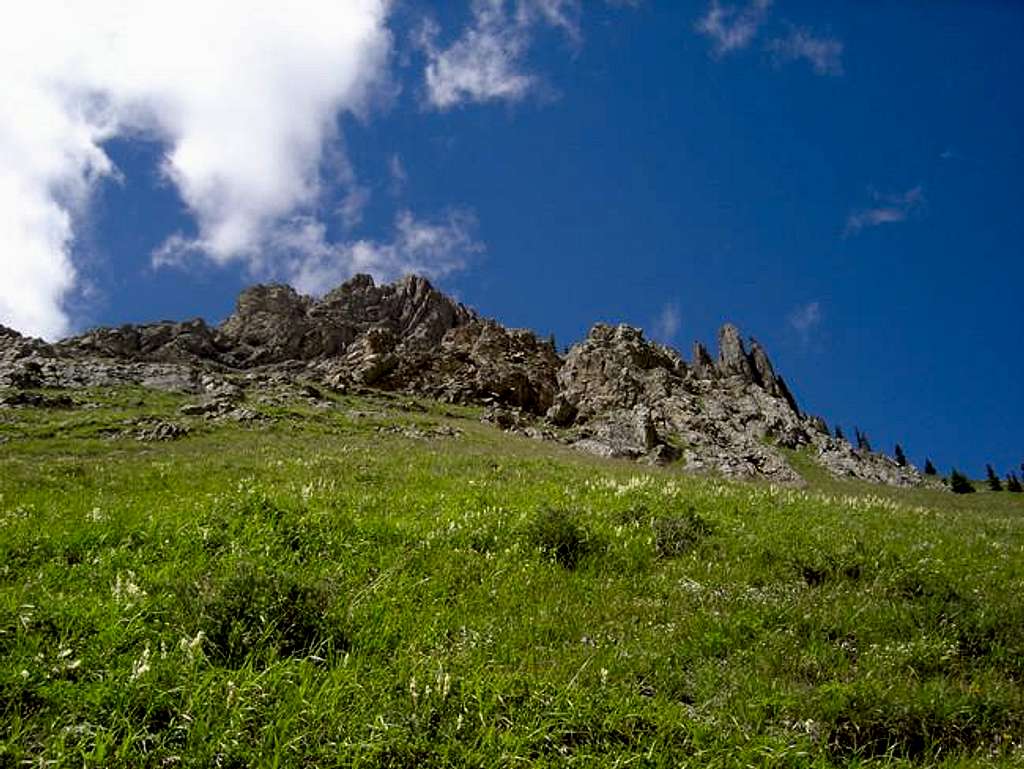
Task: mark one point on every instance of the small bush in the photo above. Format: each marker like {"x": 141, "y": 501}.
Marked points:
{"x": 633, "y": 515}
{"x": 560, "y": 537}
{"x": 678, "y": 534}
{"x": 917, "y": 722}
{"x": 256, "y": 614}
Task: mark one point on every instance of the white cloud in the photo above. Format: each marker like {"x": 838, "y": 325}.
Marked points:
{"x": 805, "y": 319}
{"x": 889, "y": 209}
{"x": 563, "y": 14}
{"x": 353, "y": 205}
{"x": 243, "y": 97}
{"x": 432, "y": 248}
{"x": 665, "y": 327}
{"x": 730, "y": 28}
{"x": 825, "y": 54}
{"x": 485, "y": 62}
{"x": 398, "y": 174}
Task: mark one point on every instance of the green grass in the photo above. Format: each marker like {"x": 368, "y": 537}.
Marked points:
{"x": 311, "y": 590}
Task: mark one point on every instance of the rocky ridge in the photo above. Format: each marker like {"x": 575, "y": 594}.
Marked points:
{"x": 615, "y": 394}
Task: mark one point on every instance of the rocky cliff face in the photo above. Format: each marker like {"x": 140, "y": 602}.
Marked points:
{"x": 629, "y": 397}
{"x": 616, "y": 393}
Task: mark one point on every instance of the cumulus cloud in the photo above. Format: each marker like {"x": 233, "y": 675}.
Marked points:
{"x": 485, "y": 63}
{"x": 243, "y": 99}
{"x": 824, "y": 54}
{"x": 665, "y": 327}
{"x": 730, "y": 28}
{"x": 888, "y": 209}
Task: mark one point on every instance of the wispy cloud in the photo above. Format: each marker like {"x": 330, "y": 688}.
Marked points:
{"x": 824, "y": 54}
{"x": 665, "y": 327}
{"x": 486, "y": 62}
{"x": 399, "y": 176}
{"x": 888, "y": 209}
{"x": 733, "y": 28}
{"x": 300, "y": 252}
{"x": 730, "y": 28}
{"x": 805, "y": 319}
{"x": 353, "y": 204}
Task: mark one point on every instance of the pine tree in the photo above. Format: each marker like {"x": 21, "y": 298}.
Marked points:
{"x": 839, "y": 433}
{"x": 929, "y": 468}
{"x": 901, "y": 458}
{"x": 1012, "y": 484}
{"x": 959, "y": 484}
{"x": 862, "y": 440}
{"x": 993, "y": 479}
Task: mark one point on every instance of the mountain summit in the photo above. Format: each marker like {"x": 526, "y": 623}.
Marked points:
{"x": 615, "y": 394}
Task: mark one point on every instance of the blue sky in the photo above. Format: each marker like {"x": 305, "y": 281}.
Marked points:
{"x": 843, "y": 181}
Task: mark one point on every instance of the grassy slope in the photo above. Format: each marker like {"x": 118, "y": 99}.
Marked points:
{"x": 313, "y": 592}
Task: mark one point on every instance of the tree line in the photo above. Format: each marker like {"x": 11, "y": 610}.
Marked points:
{"x": 958, "y": 482}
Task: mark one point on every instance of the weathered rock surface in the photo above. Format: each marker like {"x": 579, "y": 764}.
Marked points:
{"x": 484, "y": 362}
{"x": 624, "y": 396}
{"x": 616, "y": 394}
{"x": 272, "y": 324}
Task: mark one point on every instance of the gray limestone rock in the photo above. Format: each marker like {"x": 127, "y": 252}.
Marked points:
{"x": 616, "y": 393}
{"x": 732, "y": 357}
{"x": 702, "y": 364}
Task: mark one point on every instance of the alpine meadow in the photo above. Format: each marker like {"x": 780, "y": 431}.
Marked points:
{"x": 458, "y": 384}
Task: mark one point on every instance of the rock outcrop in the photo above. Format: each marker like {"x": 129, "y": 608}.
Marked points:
{"x": 273, "y": 324}
{"x": 615, "y": 394}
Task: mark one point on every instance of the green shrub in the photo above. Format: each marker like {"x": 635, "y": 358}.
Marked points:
{"x": 256, "y": 614}
{"x": 560, "y": 537}
{"x": 926, "y": 720}
{"x": 678, "y": 534}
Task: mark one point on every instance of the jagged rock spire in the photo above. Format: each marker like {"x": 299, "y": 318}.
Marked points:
{"x": 732, "y": 357}
{"x": 702, "y": 364}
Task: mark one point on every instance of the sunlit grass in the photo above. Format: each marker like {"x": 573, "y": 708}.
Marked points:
{"x": 311, "y": 590}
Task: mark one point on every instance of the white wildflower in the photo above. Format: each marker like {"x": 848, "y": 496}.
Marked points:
{"x": 141, "y": 666}
{"x": 125, "y": 590}
{"x": 192, "y": 647}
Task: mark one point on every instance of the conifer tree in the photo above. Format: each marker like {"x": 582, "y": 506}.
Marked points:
{"x": 840, "y": 436}
{"x": 959, "y": 484}
{"x": 929, "y": 468}
{"x": 993, "y": 479}
{"x": 1012, "y": 484}
{"x": 862, "y": 440}
{"x": 901, "y": 458}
